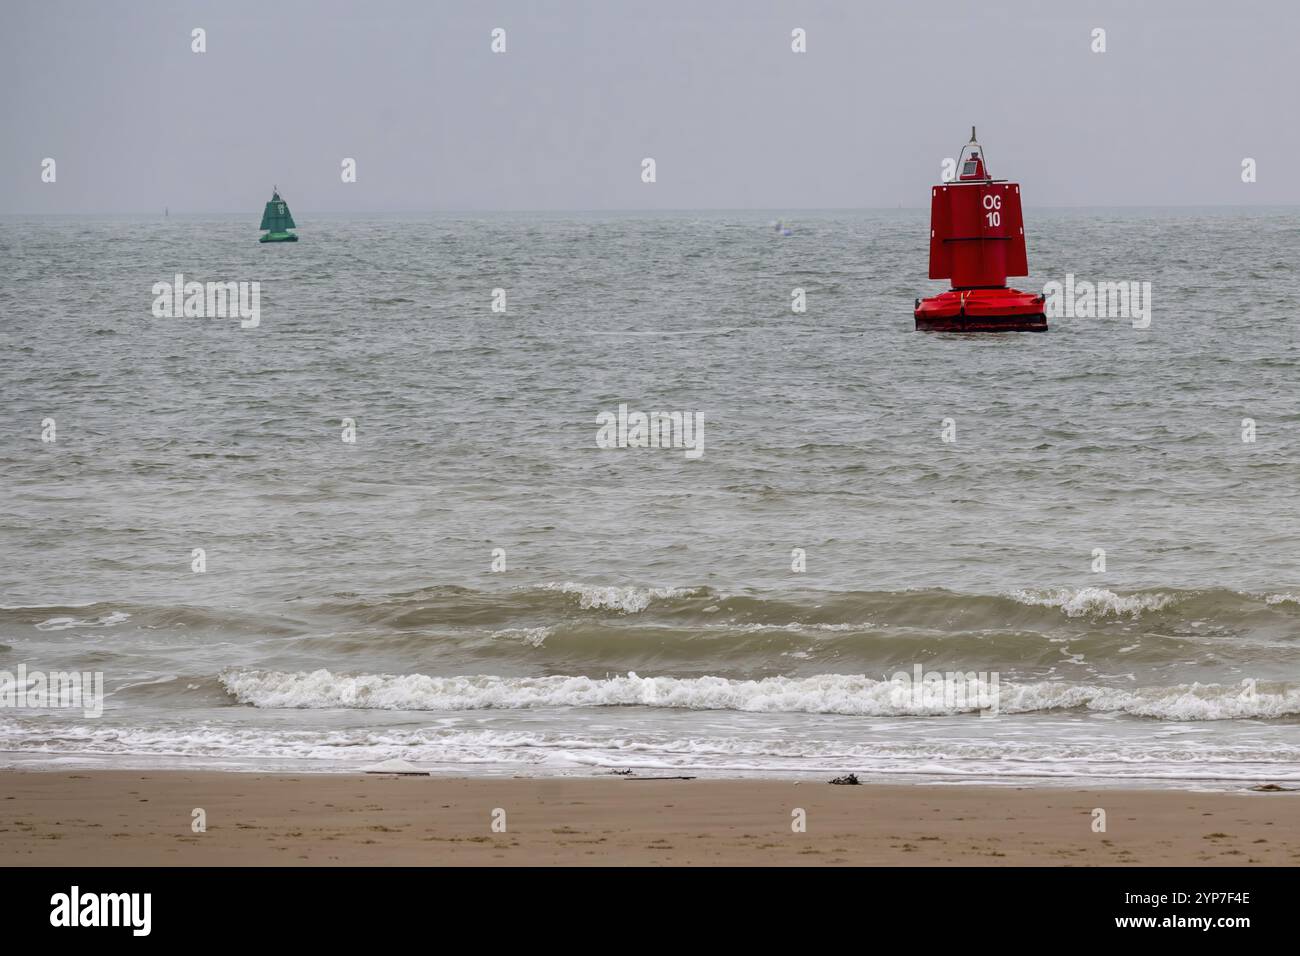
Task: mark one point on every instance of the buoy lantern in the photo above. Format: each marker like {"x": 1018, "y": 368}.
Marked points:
{"x": 977, "y": 239}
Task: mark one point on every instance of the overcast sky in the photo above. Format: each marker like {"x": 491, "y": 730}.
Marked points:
{"x": 709, "y": 88}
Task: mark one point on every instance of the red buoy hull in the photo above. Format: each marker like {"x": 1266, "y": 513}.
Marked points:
{"x": 981, "y": 310}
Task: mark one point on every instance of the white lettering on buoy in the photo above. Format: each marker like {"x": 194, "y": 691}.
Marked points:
{"x": 994, "y": 203}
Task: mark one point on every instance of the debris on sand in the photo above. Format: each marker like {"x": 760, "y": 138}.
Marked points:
{"x": 397, "y": 768}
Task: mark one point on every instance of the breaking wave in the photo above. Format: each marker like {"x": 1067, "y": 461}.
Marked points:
{"x": 548, "y": 604}
{"x": 1094, "y": 602}
{"x": 926, "y": 607}
{"x": 628, "y": 600}
{"x": 822, "y": 694}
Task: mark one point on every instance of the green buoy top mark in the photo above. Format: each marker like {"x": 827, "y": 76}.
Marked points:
{"x": 278, "y": 220}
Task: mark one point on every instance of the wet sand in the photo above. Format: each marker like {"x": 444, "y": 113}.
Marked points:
{"x": 97, "y": 818}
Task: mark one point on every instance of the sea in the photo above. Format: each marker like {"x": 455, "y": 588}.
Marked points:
{"x": 382, "y": 523}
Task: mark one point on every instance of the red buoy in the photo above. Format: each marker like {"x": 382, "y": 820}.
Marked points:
{"x": 977, "y": 239}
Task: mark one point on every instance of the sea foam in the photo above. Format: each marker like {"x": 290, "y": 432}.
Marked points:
{"x": 628, "y": 600}
{"x": 822, "y": 694}
{"x": 68, "y": 623}
{"x": 1094, "y": 602}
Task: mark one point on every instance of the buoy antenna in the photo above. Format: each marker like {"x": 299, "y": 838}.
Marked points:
{"x": 972, "y": 134}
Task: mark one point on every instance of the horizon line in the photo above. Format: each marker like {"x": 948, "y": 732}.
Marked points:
{"x": 632, "y": 210}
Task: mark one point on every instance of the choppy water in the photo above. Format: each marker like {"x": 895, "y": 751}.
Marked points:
{"x": 648, "y": 616}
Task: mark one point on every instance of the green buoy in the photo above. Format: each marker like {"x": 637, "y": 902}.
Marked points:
{"x": 278, "y": 220}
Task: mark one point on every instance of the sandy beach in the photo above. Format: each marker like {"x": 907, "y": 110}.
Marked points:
{"x": 96, "y": 818}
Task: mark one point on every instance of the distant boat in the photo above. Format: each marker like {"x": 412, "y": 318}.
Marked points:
{"x": 278, "y": 220}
